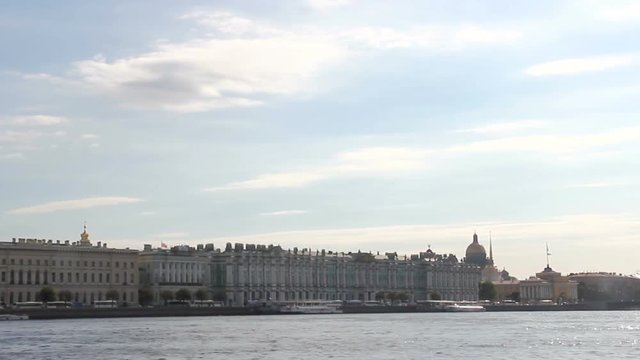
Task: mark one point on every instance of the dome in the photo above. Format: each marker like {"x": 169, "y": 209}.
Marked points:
{"x": 476, "y": 254}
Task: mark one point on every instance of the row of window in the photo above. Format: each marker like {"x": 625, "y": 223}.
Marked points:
{"x": 46, "y": 262}
{"x": 84, "y": 297}
{"x": 37, "y": 277}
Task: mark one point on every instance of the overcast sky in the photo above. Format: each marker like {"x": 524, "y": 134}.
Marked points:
{"x": 335, "y": 124}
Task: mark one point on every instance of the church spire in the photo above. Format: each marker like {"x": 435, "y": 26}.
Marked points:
{"x": 490, "y": 248}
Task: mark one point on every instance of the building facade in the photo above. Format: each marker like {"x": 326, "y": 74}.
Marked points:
{"x": 259, "y": 272}
{"x": 604, "y": 286}
{"x": 181, "y": 267}
{"x": 548, "y": 285}
{"x": 80, "y": 269}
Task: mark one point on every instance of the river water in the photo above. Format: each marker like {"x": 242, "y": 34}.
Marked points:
{"x": 515, "y": 335}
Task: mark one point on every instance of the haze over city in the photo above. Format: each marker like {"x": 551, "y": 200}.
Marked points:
{"x": 330, "y": 124}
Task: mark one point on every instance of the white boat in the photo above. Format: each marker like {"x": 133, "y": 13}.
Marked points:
{"x": 312, "y": 307}
{"x": 13, "y": 317}
{"x": 464, "y": 308}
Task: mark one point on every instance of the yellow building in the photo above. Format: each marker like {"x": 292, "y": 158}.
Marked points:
{"x": 84, "y": 271}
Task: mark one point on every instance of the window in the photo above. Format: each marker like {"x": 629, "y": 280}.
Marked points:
{"x": 29, "y": 261}
{"x": 93, "y": 264}
{"x": 53, "y": 263}
{"x": 69, "y": 263}
{"x": 85, "y": 263}
{"x": 13, "y": 262}
{"x": 117, "y": 278}
{"x": 78, "y": 263}
{"x": 117, "y": 264}
{"x": 124, "y": 264}
{"x": 38, "y": 262}
{"x": 108, "y": 277}
{"x": 93, "y": 277}
{"x": 132, "y": 278}
{"x": 132, "y": 265}
{"x": 100, "y": 277}
{"x": 84, "y": 277}
{"x": 69, "y": 277}
{"x": 3, "y": 277}
{"x": 61, "y": 277}
{"x": 77, "y": 277}
{"x": 53, "y": 277}
{"x": 21, "y": 262}
{"x": 100, "y": 263}
{"x": 4, "y": 261}
{"x": 46, "y": 263}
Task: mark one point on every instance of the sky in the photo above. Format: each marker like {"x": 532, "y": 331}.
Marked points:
{"x": 343, "y": 125}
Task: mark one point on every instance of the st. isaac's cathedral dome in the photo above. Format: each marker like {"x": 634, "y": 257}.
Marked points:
{"x": 476, "y": 254}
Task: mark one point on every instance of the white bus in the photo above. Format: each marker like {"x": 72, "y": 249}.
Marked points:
{"x": 29, "y": 305}
{"x": 105, "y": 304}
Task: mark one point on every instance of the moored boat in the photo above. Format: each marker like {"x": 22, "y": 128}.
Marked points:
{"x": 13, "y": 317}
{"x": 464, "y": 308}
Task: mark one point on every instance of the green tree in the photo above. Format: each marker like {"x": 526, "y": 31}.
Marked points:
{"x": 112, "y": 295}
{"x": 219, "y": 295}
{"x": 403, "y": 297}
{"x": 46, "y": 294}
{"x": 515, "y": 296}
{"x": 380, "y": 295}
{"x": 64, "y": 295}
{"x": 487, "y": 291}
{"x": 145, "y": 297}
{"x": 183, "y": 295}
{"x": 200, "y": 294}
{"x": 166, "y": 295}
{"x": 435, "y": 296}
{"x": 392, "y": 296}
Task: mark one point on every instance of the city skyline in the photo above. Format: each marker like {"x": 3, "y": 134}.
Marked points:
{"x": 332, "y": 124}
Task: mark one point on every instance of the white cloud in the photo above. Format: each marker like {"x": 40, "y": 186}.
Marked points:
{"x": 363, "y": 162}
{"x": 327, "y": 4}
{"x": 620, "y": 12}
{"x": 385, "y": 161}
{"x": 89, "y": 136}
{"x": 506, "y": 127}
{"x": 284, "y": 213}
{"x": 578, "y": 65}
{"x": 241, "y": 63}
{"x": 85, "y": 203}
{"x": 11, "y": 156}
{"x": 556, "y": 144}
{"x": 427, "y": 37}
{"x": 35, "y": 120}
{"x": 599, "y": 184}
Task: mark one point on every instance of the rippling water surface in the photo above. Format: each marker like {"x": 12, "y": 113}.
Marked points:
{"x": 543, "y": 335}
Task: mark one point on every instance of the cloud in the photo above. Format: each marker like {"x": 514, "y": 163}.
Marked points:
{"x": 11, "y": 156}
{"x": 208, "y": 74}
{"x": 85, "y": 203}
{"x": 620, "y": 12}
{"x": 506, "y": 127}
{"x": 556, "y": 144}
{"x": 578, "y": 65}
{"x": 35, "y": 120}
{"x": 599, "y": 184}
{"x": 327, "y": 4}
{"x": 385, "y": 161}
{"x": 238, "y": 62}
{"x": 89, "y": 136}
{"x": 436, "y": 37}
{"x": 362, "y": 162}
{"x": 284, "y": 213}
